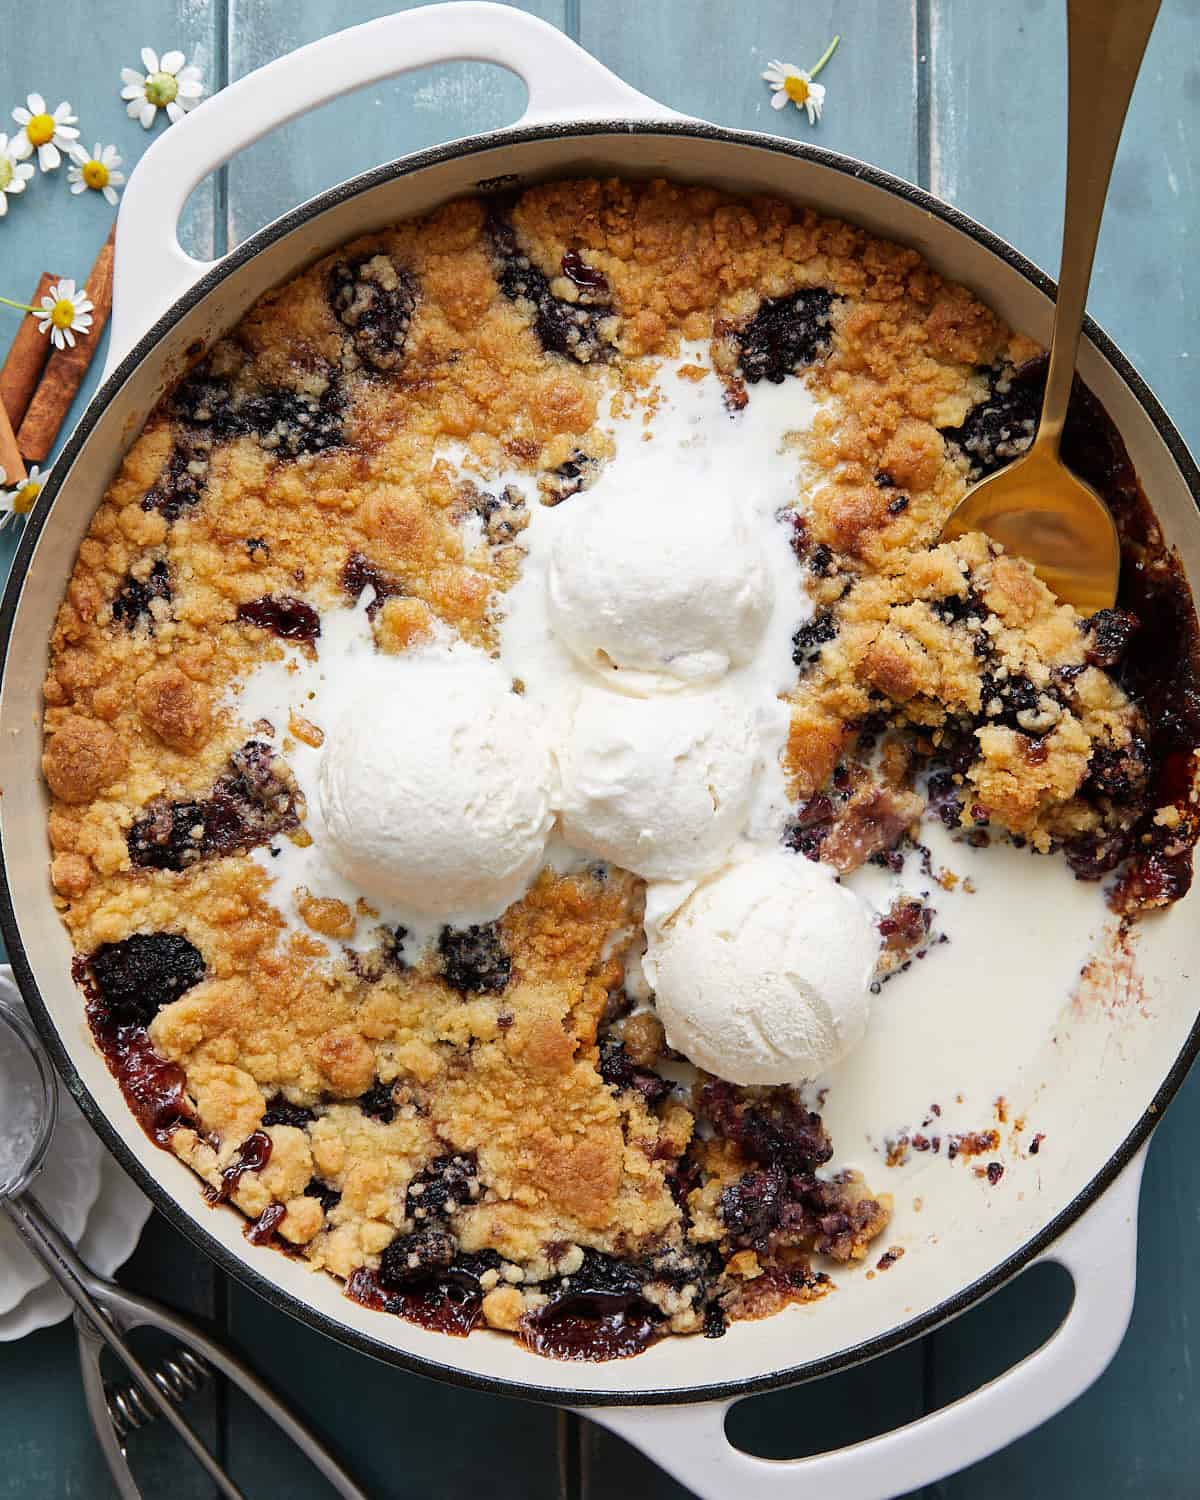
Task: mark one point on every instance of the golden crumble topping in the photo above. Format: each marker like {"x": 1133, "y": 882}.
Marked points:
{"x": 484, "y": 1134}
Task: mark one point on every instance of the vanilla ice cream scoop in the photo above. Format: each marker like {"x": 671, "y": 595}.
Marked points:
{"x": 660, "y": 786}
{"x": 436, "y": 787}
{"x": 763, "y": 974}
{"x": 655, "y": 590}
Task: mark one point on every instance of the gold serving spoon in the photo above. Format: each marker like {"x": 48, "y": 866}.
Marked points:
{"x": 1036, "y": 507}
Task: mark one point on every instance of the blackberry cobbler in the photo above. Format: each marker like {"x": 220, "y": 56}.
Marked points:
{"x": 438, "y": 509}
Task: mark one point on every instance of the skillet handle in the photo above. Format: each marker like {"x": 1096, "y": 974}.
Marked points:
{"x": 564, "y": 83}
{"x": 1100, "y": 1252}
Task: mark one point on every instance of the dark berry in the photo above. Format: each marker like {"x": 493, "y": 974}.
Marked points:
{"x": 415, "y": 1257}
{"x": 441, "y": 1186}
{"x": 328, "y": 1197}
{"x": 136, "y": 977}
{"x": 618, "y": 1070}
{"x": 1109, "y": 632}
{"x": 379, "y": 1102}
{"x": 785, "y": 334}
{"x": 281, "y": 1111}
{"x": 1001, "y": 427}
{"x": 1120, "y": 772}
{"x": 569, "y": 328}
{"x": 293, "y": 424}
{"x": 248, "y": 806}
{"x": 771, "y": 1126}
{"x": 715, "y": 1326}
{"x": 290, "y": 619}
{"x": 474, "y": 960}
{"x": 586, "y": 277}
{"x": 811, "y": 636}
{"x": 374, "y": 300}
{"x": 183, "y": 479}
{"x": 750, "y": 1207}
{"x": 133, "y": 600}
{"x": 822, "y": 561}
{"x": 360, "y": 573}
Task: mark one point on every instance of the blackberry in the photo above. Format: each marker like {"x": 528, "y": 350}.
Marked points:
{"x": 248, "y": 806}
{"x": 619, "y": 1071}
{"x": 289, "y": 618}
{"x": 140, "y": 974}
{"x": 183, "y": 479}
{"x": 374, "y": 300}
{"x": 474, "y": 960}
{"x": 586, "y": 278}
{"x": 281, "y": 1111}
{"x": 294, "y": 424}
{"x": 751, "y": 1206}
{"x": 785, "y": 334}
{"x": 379, "y": 1102}
{"x": 1119, "y": 772}
{"x": 441, "y": 1186}
{"x": 771, "y": 1126}
{"x": 1108, "y": 632}
{"x": 359, "y": 573}
{"x": 134, "y": 597}
{"x": 328, "y": 1197}
{"x": 415, "y": 1257}
{"x": 1000, "y": 427}
{"x": 573, "y": 329}
{"x": 811, "y": 636}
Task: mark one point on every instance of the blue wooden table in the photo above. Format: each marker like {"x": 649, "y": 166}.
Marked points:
{"x": 967, "y": 99}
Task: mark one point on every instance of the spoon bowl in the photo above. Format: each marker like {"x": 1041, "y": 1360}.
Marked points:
{"x": 1037, "y": 509}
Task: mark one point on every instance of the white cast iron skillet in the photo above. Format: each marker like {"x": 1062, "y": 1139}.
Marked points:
{"x": 1102, "y": 1092}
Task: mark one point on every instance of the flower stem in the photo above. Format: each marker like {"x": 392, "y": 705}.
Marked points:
{"x": 20, "y": 306}
{"x": 825, "y": 56}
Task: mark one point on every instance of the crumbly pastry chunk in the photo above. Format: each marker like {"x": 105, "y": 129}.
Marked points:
{"x": 483, "y": 1135}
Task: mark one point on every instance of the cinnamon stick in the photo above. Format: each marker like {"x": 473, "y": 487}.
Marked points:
{"x": 66, "y": 368}
{"x": 22, "y": 369}
{"x": 10, "y": 457}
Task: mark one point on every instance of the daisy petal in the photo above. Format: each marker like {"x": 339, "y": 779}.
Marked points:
{"x": 65, "y": 288}
{"x": 149, "y": 59}
{"x": 145, "y": 113}
{"x": 66, "y": 132}
{"x": 17, "y": 185}
{"x": 21, "y": 147}
{"x": 49, "y": 156}
{"x": 79, "y": 186}
{"x": 779, "y": 100}
{"x": 3, "y": 205}
{"x": 132, "y": 76}
{"x": 37, "y": 105}
{"x": 110, "y": 194}
{"x": 171, "y": 62}
{"x": 174, "y": 112}
{"x": 190, "y": 88}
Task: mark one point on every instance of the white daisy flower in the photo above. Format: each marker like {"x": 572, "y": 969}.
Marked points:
{"x": 97, "y": 171}
{"x": 169, "y": 83}
{"x": 792, "y": 85}
{"x": 14, "y": 175}
{"x": 48, "y": 132}
{"x": 21, "y": 499}
{"x": 64, "y": 313}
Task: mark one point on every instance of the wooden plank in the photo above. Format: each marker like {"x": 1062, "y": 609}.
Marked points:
{"x": 420, "y": 109}
{"x": 997, "y": 150}
{"x": 399, "y": 1435}
{"x": 704, "y": 58}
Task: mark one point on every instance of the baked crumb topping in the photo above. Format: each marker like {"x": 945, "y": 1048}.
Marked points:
{"x": 485, "y": 1134}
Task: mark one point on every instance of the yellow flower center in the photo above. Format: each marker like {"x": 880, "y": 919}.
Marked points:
{"x": 161, "y": 89}
{"x": 62, "y": 314}
{"x": 796, "y": 89}
{"x": 40, "y": 130}
{"x": 25, "y": 498}
{"x": 6, "y": 172}
{"x": 95, "y": 174}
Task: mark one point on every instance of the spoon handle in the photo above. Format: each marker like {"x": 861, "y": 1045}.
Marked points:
{"x": 1105, "y": 43}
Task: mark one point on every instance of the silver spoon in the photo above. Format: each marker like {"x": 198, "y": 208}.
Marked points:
{"x": 104, "y": 1313}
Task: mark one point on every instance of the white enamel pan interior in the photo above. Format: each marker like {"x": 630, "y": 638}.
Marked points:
{"x": 1101, "y": 1094}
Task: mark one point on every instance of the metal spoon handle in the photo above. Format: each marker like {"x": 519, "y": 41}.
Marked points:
{"x": 51, "y": 1247}
{"x": 1105, "y": 43}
